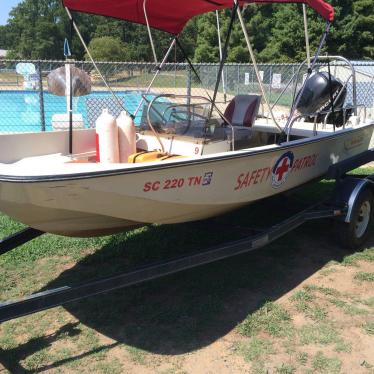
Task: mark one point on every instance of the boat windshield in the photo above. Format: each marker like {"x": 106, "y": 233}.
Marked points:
{"x": 193, "y": 116}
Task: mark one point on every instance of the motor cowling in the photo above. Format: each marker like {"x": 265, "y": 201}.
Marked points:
{"x": 316, "y": 98}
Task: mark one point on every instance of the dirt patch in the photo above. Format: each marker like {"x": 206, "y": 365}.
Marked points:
{"x": 294, "y": 307}
{"x": 341, "y": 344}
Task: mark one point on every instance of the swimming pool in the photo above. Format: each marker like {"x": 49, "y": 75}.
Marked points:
{"x": 20, "y": 111}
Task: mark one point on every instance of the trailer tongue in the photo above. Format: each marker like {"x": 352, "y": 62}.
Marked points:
{"x": 62, "y": 295}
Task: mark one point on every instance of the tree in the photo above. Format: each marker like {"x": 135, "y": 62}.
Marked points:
{"x": 350, "y": 34}
{"x": 4, "y": 38}
{"x": 358, "y": 34}
{"x": 207, "y": 40}
{"x": 107, "y": 48}
{"x": 35, "y": 30}
{"x": 287, "y": 41}
{"x": 188, "y": 40}
{"x": 108, "y": 27}
{"x": 260, "y": 22}
{"x": 238, "y": 51}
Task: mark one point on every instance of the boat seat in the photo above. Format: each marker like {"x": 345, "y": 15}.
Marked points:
{"x": 242, "y": 110}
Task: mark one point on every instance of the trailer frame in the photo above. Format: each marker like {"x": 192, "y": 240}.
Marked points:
{"x": 339, "y": 206}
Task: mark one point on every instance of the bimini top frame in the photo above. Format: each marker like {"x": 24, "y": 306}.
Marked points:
{"x": 171, "y": 16}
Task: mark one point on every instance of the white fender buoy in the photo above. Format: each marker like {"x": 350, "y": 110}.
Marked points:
{"x": 107, "y": 150}
{"x": 126, "y": 136}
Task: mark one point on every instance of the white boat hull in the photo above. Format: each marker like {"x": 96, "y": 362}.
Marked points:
{"x": 117, "y": 198}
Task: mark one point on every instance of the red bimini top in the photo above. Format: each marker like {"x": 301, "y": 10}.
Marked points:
{"x": 172, "y": 15}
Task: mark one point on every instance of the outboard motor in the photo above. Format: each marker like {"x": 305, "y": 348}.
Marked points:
{"x": 316, "y": 98}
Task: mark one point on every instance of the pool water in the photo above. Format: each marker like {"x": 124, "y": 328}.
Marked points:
{"x": 20, "y": 110}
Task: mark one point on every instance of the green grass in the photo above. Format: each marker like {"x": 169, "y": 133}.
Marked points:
{"x": 142, "y": 79}
{"x": 328, "y": 291}
{"x": 110, "y": 367}
{"x": 302, "y": 358}
{"x": 364, "y": 277}
{"x": 348, "y": 308}
{"x": 324, "y": 364}
{"x": 318, "y": 333}
{"x": 368, "y": 302}
{"x": 286, "y": 369}
{"x": 352, "y": 260}
{"x": 365, "y": 170}
{"x": 271, "y": 318}
{"x": 369, "y": 327}
{"x": 329, "y": 268}
{"x": 314, "y": 312}
{"x": 303, "y": 295}
{"x": 342, "y": 346}
{"x": 137, "y": 355}
{"x": 304, "y": 301}
{"x": 256, "y": 349}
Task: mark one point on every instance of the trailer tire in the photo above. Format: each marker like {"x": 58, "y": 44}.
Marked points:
{"x": 353, "y": 234}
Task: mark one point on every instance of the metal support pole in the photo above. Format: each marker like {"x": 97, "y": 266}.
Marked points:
{"x": 316, "y": 56}
{"x": 270, "y": 82}
{"x": 220, "y": 56}
{"x": 225, "y": 85}
{"x": 175, "y": 66}
{"x": 119, "y": 102}
{"x": 188, "y": 99}
{"x": 159, "y": 68}
{"x": 41, "y": 98}
{"x": 224, "y": 54}
{"x": 306, "y": 36}
{"x": 331, "y": 96}
{"x": 250, "y": 49}
{"x": 69, "y": 104}
{"x": 69, "y": 91}
{"x": 149, "y": 32}
{"x": 238, "y": 78}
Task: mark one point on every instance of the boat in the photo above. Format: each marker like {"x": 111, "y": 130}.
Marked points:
{"x": 195, "y": 157}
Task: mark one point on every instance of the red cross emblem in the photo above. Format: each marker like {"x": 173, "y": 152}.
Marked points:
{"x": 281, "y": 169}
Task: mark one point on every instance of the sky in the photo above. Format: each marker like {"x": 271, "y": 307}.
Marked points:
{"x": 5, "y": 7}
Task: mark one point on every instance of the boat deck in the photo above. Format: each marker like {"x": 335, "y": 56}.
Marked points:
{"x": 302, "y": 129}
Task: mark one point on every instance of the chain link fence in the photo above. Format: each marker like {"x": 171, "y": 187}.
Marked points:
{"x": 26, "y": 105}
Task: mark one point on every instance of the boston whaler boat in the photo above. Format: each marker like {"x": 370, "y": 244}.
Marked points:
{"x": 194, "y": 158}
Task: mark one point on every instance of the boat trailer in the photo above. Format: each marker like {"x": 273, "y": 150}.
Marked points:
{"x": 345, "y": 206}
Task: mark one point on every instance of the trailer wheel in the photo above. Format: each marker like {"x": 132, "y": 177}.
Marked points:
{"x": 353, "y": 234}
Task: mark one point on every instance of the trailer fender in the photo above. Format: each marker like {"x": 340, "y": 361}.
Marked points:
{"x": 347, "y": 192}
